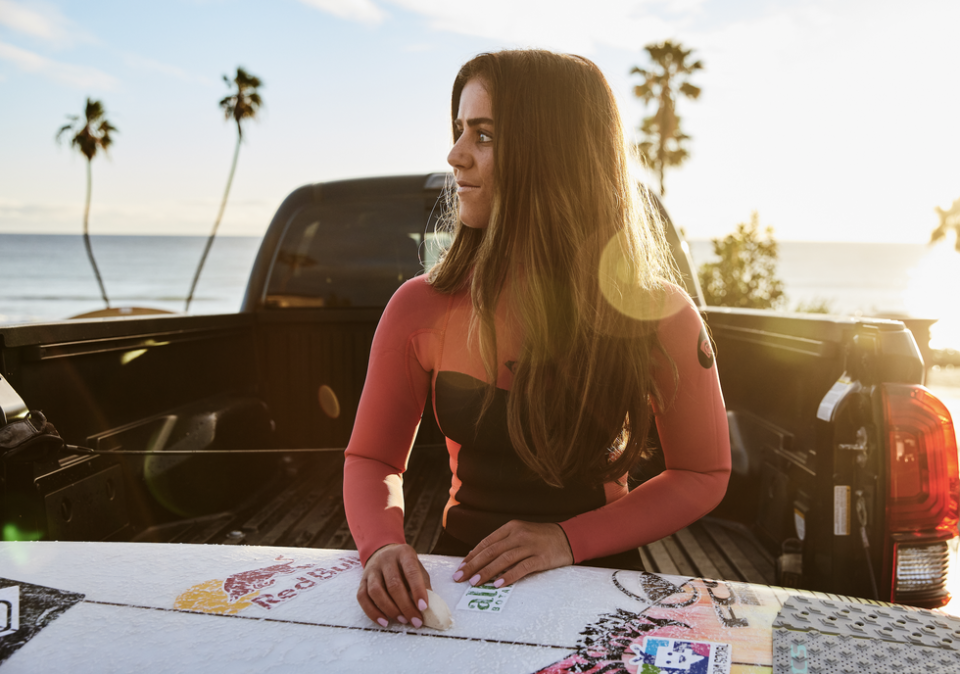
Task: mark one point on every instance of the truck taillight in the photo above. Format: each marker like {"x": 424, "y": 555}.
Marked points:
{"x": 923, "y": 507}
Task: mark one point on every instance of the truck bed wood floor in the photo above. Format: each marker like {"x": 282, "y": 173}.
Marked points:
{"x": 304, "y": 508}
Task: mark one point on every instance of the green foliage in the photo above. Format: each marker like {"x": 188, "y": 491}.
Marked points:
{"x": 817, "y": 305}
{"x": 664, "y": 143}
{"x": 745, "y": 275}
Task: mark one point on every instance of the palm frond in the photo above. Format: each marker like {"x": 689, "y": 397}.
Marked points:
{"x": 643, "y": 91}
{"x": 94, "y": 111}
{"x": 93, "y": 134}
{"x": 690, "y": 90}
{"x": 245, "y": 101}
{"x": 63, "y": 130}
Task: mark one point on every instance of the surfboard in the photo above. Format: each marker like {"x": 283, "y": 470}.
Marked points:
{"x": 126, "y": 607}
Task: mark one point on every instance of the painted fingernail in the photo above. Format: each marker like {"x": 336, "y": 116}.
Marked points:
{"x": 383, "y": 622}
{"x": 458, "y": 575}
{"x": 462, "y": 564}
{"x": 475, "y": 579}
{"x": 498, "y": 583}
{"x": 417, "y": 622}
{"x": 401, "y": 619}
{"x": 422, "y": 605}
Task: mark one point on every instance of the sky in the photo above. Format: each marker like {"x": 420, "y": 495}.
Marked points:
{"x": 835, "y": 120}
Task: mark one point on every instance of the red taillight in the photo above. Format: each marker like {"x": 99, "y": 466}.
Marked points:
{"x": 924, "y": 477}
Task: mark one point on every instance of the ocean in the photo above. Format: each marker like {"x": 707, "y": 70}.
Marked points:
{"x": 892, "y": 280}
{"x": 48, "y": 277}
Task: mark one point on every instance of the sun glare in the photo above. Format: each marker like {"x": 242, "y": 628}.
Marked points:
{"x": 933, "y": 283}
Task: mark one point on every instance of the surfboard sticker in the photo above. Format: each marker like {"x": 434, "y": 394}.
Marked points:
{"x": 678, "y": 610}
{"x": 285, "y": 580}
{"x": 485, "y": 598}
{"x": 25, "y": 609}
{"x": 675, "y": 656}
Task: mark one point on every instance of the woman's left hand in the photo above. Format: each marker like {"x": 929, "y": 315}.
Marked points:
{"x": 515, "y": 550}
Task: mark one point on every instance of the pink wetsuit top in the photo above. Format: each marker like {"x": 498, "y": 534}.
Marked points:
{"x": 422, "y": 343}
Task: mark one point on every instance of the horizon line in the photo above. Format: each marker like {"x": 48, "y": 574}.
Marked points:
{"x": 260, "y": 236}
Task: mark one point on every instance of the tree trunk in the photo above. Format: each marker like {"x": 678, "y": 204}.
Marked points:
{"x": 216, "y": 224}
{"x": 86, "y": 235}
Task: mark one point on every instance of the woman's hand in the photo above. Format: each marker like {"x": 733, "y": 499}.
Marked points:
{"x": 515, "y": 550}
{"x": 394, "y": 586}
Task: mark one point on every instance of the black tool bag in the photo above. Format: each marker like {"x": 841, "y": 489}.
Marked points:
{"x": 31, "y": 439}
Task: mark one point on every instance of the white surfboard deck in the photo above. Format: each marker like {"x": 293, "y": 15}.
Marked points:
{"x": 183, "y": 608}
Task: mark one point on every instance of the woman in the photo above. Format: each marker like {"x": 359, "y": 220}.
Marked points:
{"x": 550, "y": 336}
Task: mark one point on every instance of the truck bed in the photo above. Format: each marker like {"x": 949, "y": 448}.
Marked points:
{"x": 304, "y": 508}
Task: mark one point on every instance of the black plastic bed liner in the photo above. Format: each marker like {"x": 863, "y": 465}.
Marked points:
{"x": 304, "y": 508}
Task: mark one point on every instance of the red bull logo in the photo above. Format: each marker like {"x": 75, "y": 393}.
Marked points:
{"x": 284, "y": 580}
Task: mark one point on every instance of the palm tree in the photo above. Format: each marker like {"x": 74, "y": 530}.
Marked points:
{"x": 242, "y": 104}
{"x": 663, "y": 141}
{"x": 93, "y": 135}
{"x": 949, "y": 219}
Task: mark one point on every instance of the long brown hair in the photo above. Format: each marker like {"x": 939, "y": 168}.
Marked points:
{"x": 582, "y": 260}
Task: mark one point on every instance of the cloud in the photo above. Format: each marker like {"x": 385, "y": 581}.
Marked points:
{"x": 578, "y": 27}
{"x": 151, "y": 65}
{"x": 19, "y": 215}
{"x": 364, "y": 11}
{"x": 77, "y": 77}
{"x": 244, "y": 217}
{"x": 41, "y": 21}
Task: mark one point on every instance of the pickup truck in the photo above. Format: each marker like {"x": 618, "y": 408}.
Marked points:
{"x": 845, "y": 475}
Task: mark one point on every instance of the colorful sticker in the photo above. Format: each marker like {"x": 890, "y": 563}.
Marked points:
{"x": 704, "y": 349}
{"x": 485, "y": 598}
{"x": 285, "y": 580}
{"x": 657, "y": 655}
{"x": 672, "y": 609}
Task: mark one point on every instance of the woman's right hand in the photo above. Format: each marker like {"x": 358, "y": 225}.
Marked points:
{"x": 394, "y": 586}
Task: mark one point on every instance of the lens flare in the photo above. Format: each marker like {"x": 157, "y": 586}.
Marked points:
{"x": 11, "y": 532}
{"x": 619, "y": 283}
{"x": 930, "y": 293}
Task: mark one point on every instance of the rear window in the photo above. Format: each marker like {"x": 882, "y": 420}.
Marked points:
{"x": 352, "y": 253}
